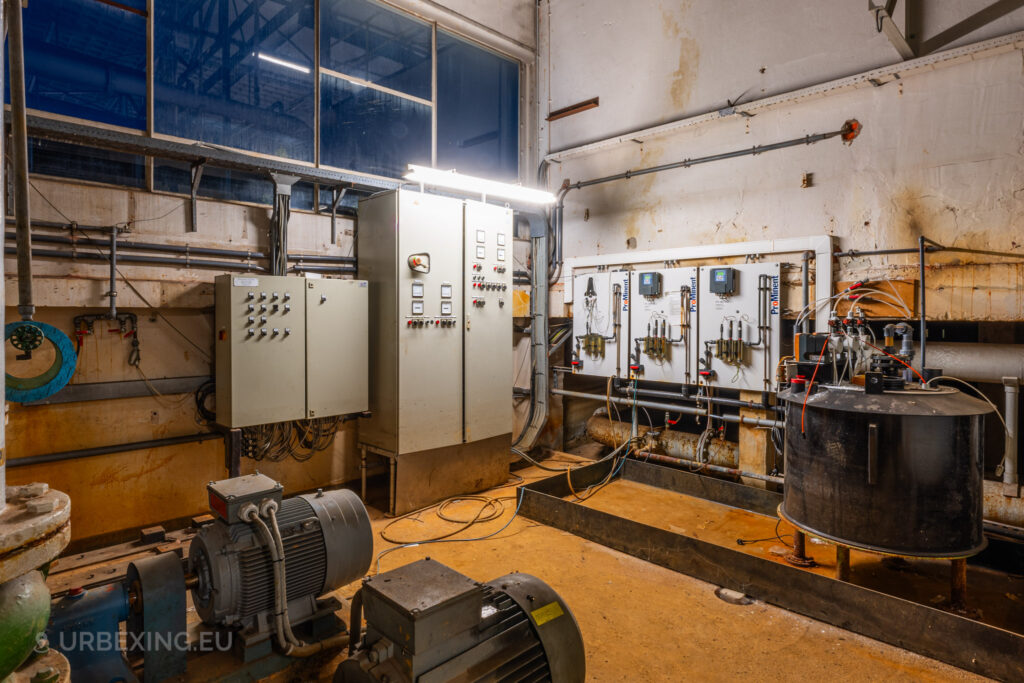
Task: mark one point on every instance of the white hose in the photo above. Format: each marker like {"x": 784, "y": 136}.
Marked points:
{"x": 283, "y": 599}
{"x": 276, "y": 561}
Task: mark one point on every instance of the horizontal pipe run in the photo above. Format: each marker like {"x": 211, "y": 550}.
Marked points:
{"x": 688, "y": 410}
{"x": 147, "y": 260}
{"x": 686, "y": 163}
{"x": 339, "y": 270}
{"x": 683, "y": 445}
{"x": 117, "y": 448}
{"x": 716, "y": 400}
{"x": 169, "y": 248}
{"x": 856, "y": 253}
{"x": 697, "y": 467}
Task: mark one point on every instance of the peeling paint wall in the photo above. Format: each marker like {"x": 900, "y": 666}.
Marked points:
{"x": 940, "y": 152}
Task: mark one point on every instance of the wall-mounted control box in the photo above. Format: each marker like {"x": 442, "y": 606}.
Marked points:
{"x": 289, "y": 348}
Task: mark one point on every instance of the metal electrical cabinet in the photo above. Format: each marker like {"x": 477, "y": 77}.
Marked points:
{"x": 662, "y": 324}
{"x": 488, "y": 330}
{"x": 289, "y": 348}
{"x": 739, "y": 325}
{"x": 600, "y": 311}
{"x": 440, "y": 343}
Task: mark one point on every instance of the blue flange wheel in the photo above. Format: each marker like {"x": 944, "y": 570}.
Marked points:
{"x": 28, "y": 389}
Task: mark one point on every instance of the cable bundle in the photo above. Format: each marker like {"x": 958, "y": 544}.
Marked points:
{"x": 298, "y": 439}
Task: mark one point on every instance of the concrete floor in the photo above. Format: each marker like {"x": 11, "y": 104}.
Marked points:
{"x": 641, "y": 622}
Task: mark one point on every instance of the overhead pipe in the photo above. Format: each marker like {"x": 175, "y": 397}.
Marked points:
{"x": 19, "y": 154}
{"x": 672, "y": 408}
{"x": 132, "y": 245}
{"x": 146, "y": 260}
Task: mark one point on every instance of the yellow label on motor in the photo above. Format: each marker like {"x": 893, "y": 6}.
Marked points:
{"x": 548, "y": 612}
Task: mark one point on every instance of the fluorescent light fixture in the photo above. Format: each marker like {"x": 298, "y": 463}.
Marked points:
{"x": 464, "y": 183}
{"x": 285, "y": 64}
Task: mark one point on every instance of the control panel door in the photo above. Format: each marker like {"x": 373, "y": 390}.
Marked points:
{"x": 261, "y": 349}
{"x": 488, "y": 325}
{"x": 429, "y": 321}
{"x": 337, "y": 376}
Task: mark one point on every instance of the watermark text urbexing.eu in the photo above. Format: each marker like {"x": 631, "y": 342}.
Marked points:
{"x": 106, "y": 641}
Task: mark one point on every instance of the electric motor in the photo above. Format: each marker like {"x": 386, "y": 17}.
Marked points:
{"x": 327, "y": 541}
{"x": 426, "y": 622}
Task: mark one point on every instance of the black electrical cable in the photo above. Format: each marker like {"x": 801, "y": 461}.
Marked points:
{"x": 203, "y": 394}
{"x": 748, "y": 541}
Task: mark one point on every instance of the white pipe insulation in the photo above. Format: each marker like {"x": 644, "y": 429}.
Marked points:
{"x": 975, "y": 362}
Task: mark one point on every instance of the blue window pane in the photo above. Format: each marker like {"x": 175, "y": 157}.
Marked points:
{"x": 216, "y": 183}
{"x": 367, "y": 130}
{"x": 377, "y": 44}
{"x": 62, "y": 160}
{"x": 302, "y": 196}
{"x": 238, "y": 74}
{"x": 477, "y": 110}
{"x": 85, "y": 59}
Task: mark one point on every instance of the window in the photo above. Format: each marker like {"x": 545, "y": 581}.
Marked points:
{"x": 393, "y": 90}
{"x": 369, "y": 130}
{"x": 60, "y": 159}
{"x": 86, "y": 59}
{"x": 477, "y": 110}
{"x": 375, "y": 87}
{"x": 376, "y": 44}
{"x": 236, "y": 74}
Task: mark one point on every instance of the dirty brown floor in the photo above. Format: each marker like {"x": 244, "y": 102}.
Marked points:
{"x": 641, "y": 622}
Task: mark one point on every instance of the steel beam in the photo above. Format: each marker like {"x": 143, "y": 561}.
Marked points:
{"x": 885, "y": 24}
{"x": 956, "y": 640}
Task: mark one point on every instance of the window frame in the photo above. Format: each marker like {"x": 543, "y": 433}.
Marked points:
{"x": 523, "y": 73}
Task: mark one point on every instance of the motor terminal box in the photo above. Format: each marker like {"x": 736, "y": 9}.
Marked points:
{"x": 229, "y": 496}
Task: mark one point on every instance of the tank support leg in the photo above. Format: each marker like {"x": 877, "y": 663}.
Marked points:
{"x": 842, "y": 563}
{"x": 799, "y": 555}
{"x": 958, "y": 585}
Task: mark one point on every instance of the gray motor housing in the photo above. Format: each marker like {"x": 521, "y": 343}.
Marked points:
{"x": 428, "y": 623}
{"x": 328, "y": 543}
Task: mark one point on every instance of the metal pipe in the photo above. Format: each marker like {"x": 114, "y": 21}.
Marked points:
{"x": 168, "y": 248}
{"x": 322, "y": 269}
{"x": 958, "y": 585}
{"x": 113, "y": 274}
{"x": 537, "y": 416}
{"x": 717, "y": 400}
{"x": 805, "y": 271}
{"x": 933, "y": 248}
{"x": 739, "y": 419}
{"x": 1010, "y": 476}
{"x": 117, "y": 448}
{"x": 151, "y": 260}
{"x": 686, "y": 163}
{"x": 19, "y": 154}
{"x": 977, "y": 362}
{"x": 697, "y": 467}
{"x": 921, "y": 295}
{"x": 682, "y": 445}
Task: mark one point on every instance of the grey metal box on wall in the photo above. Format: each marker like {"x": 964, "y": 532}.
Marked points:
{"x": 289, "y": 348}
{"x": 663, "y": 326}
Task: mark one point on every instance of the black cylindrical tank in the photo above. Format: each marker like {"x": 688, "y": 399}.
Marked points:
{"x": 899, "y": 472}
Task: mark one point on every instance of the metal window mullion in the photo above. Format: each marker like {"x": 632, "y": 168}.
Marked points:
{"x": 316, "y": 93}
{"x": 149, "y": 168}
{"x": 433, "y": 95}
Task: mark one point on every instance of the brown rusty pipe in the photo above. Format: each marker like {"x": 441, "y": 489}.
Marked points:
{"x": 679, "y": 445}
{"x": 698, "y": 467}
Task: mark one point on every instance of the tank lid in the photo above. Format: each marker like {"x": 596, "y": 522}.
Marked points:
{"x": 938, "y": 402}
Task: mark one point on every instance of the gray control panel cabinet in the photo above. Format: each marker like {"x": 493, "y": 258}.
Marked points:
{"x": 289, "y": 348}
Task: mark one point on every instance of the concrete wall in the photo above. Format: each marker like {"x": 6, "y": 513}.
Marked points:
{"x": 939, "y": 154}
